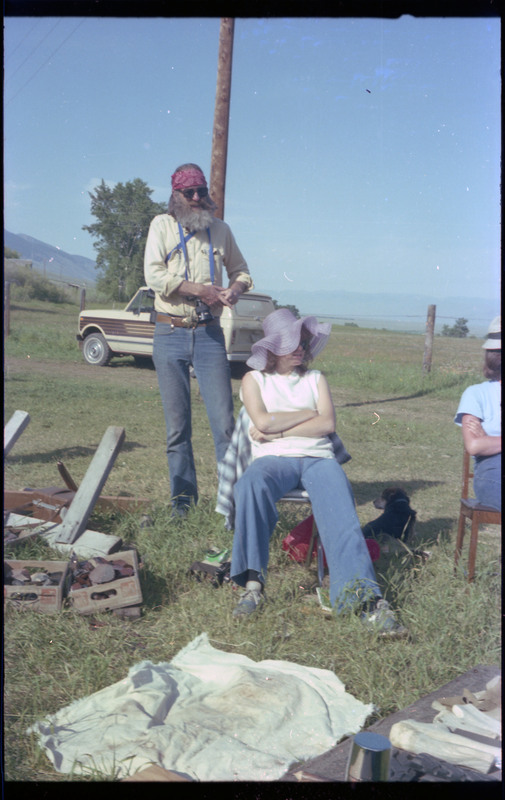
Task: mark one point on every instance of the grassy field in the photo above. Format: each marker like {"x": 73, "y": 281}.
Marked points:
{"x": 397, "y": 425}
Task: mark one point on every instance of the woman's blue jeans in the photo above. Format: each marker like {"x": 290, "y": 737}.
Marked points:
{"x": 265, "y": 481}
{"x": 487, "y": 480}
{"x": 174, "y": 350}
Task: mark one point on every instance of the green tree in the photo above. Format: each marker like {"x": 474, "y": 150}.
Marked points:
{"x": 292, "y": 308}
{"x": 123, "y": 216}
{"x": 9, "y": 253}
{"x": 459, "y": 330}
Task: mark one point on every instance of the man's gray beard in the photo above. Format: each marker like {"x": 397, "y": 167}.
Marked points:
{"x": 190, "y": 218}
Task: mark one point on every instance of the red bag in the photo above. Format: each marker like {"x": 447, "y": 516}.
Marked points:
{"x": 297, "y": 542}
{"x": 373, "y": 549}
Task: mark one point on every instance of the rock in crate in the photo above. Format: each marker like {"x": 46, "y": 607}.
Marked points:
{"x": 102, "y": 584}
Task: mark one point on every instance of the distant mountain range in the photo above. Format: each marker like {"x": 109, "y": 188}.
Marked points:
{"x": 402, "y": 312}
{"x": 52, "y": 260}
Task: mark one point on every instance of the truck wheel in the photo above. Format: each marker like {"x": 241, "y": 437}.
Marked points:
{"x": 96, "y": 351}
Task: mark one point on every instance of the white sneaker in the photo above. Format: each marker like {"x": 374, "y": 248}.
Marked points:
{"x": 382, "y": 620}
{"x": 249, "y": 601}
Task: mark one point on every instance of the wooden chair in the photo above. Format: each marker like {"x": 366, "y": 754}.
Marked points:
{"x": 477, "y": 514}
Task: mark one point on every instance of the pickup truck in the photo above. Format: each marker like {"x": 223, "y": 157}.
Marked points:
{"x": 107, "y": 333}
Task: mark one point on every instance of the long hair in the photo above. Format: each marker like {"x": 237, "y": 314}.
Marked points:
{"x": 492, "y": 365}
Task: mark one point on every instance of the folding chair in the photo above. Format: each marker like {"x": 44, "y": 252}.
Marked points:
{"x": 300, "y": 497}
{"x": 477, "y": 514}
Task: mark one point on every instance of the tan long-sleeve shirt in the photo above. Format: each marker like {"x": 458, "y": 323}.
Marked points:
{"x": 165, "y": 277}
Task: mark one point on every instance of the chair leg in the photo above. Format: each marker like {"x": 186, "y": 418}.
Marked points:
{"x": 315, "y": 534}
{"x": 320, "y": 561}
{"x": 459, "y": 538}
{"x": 472, "y": 554}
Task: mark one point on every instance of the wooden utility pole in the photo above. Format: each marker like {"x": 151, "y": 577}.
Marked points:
{"x": 221, "y": 115}
{"x": 428, "y": 342}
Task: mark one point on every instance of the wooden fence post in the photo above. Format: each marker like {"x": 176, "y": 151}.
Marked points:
{"x": 428, "y": 342}
{"x": 83, "y": 299}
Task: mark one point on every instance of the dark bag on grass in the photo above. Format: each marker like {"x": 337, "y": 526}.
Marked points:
{"x": 216, "y": 574}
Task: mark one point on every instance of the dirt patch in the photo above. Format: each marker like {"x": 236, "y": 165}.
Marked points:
{"x": 120, "y": 372}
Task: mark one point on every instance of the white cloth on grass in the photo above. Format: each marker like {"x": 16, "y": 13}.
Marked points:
{"x": 210, "y": 715}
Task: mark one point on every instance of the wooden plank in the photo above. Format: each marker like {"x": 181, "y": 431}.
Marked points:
{"x": 24, "y": 527}
{"x": 90, "y": 543}
{"x": 14, "y": 429}
{"x": 45, "y": 504}
{"x": 89, "y": 491}
{"x": 29, "y": 500}
{"x": 118, "y": 502}
{"x": 65, "y": 474}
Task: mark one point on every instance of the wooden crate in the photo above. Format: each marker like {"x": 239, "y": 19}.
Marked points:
{"x": 30, "y": 597}
{"x": 127, "y": 591}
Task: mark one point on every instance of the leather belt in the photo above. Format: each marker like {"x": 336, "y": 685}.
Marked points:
{"x": 178, "y": 322}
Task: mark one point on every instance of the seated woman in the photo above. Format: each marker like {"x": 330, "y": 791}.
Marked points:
{"x": 479, "y": 415}
{"x": 292, "y": 416}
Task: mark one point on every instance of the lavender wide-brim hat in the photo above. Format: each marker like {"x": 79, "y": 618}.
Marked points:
{"x": 282, "y": 336}
{"x": 493, "y": 340}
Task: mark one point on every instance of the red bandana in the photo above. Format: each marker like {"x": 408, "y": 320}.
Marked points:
{"x": 187, "y": 178}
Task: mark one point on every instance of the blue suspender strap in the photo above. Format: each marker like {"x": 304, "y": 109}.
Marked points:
{"x": 182, "y": 244}
{"x": 211, "y": 258}
{"x": 185, "y": 249}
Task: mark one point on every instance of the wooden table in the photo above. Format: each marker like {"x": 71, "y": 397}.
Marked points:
{"x": 331, "y": 766}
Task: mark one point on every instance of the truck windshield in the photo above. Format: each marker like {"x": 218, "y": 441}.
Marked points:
{"x": 143, "y": 302}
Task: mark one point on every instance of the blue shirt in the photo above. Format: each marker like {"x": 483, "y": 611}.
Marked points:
{"x": 482, "y": 400}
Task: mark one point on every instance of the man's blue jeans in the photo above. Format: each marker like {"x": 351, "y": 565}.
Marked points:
{"x": 265, "y": 481}
{"x": 174, "y": 350}
{"x": 487, "y": 480}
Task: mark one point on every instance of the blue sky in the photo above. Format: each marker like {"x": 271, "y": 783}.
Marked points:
{"x": 363, "y": 154}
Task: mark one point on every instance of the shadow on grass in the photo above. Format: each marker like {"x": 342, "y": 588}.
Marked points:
{"x": 434, "y": 530}
{"x": 66, "y": 453}
{"x": 420, "y": 393}
{"x": 131, "y": 362}
{"x": 156, "y": 591}
{"x": 398, "y": 564}
{"x": 448, "y": 383}
{"x": 366, "y": 491}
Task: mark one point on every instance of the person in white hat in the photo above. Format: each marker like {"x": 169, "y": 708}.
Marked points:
{"x": 479, "y": 415}
{"x": 292, "y": 421}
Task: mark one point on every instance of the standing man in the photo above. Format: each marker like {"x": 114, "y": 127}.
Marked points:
{"x": 185, "y": 253}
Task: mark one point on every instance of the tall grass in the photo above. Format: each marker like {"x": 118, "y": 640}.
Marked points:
{"x": 398, "y": 426}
